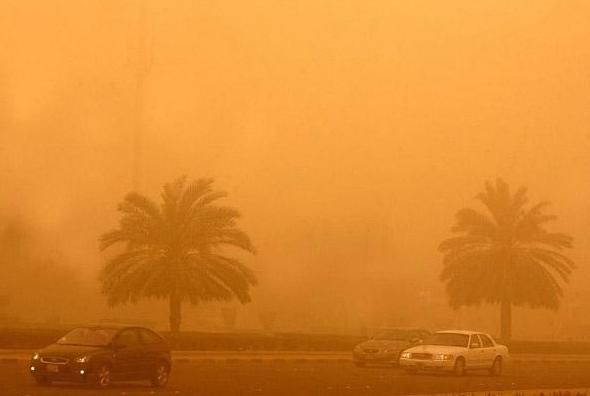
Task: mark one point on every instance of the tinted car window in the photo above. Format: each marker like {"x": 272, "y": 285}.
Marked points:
{"x": 447, "y": 339}
{"x": 149, "y": 337}
{"x": 486, "y": 341}
{"x": 127, "y": 338}
{"x": 88, "y": 336}
{"x": 475, "y": 341}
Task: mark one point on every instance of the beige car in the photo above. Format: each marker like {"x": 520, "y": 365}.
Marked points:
{"x": 456, "y": 351}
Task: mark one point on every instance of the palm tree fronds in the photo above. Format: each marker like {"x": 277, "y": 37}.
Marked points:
{"x": 173, "y": 251}
{"x": 135, "y": 203}
{"x": 194, "y": 192}
{"x": 463, "y": 242}
{"x": 474, "y": 223}
{"x": 510, "y": 258}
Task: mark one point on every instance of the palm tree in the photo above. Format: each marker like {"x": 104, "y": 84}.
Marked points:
{"x": 506, "y": 256}
{"x": 177, "y": 251}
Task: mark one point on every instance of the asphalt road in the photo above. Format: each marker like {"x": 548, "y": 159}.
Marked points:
{"x": 291, "y": 378}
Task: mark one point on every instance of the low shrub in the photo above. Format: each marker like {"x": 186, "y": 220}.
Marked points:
{"x": 32, "y": 338}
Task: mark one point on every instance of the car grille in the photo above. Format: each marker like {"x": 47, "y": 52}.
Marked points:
{"x": 371, "y": 350}
{"x": 421, "y": 356}
{"x": 54, "y": 360}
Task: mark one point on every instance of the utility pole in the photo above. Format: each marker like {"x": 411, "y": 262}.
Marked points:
{"x": 143, "y": 65}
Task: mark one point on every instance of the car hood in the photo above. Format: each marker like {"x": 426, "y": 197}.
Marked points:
{"x": 69, "y": 351}
{"x": 436, "y": 349}
{"x": 383, "y": 344}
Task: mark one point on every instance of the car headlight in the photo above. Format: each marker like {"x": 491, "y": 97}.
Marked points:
{"x": 82, "y": 359}
{"x": 442, "y": 356}
{"x": 406, "y": 355}
{"x": 35, "y": 356}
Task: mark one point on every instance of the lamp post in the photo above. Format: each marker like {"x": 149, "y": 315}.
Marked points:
{"x": 143, "y": 64}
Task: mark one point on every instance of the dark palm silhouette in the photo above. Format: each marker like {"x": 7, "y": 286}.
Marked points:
{"x": 177, "y": 251}
{"x": 506, "y": 256}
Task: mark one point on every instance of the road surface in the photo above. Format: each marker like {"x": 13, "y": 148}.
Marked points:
{"x": 280, "y": 377}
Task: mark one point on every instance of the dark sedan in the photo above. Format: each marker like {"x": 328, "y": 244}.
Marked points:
{"x": 101, "y": 354}
{"x": 387, "y": 345}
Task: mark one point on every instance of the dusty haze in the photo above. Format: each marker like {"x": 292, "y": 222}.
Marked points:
{"x": 348, "y": 133}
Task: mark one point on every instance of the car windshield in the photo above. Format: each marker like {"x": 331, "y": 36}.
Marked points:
{"x": 393, "y": 335}
{"x": 447, "y": 339}
{"x": 88, "y": 336}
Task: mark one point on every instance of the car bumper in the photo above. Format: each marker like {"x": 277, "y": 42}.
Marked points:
{"x": 427, "y": 365}
{"x": 70, "y": 372}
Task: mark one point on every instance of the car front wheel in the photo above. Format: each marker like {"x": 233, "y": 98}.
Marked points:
{"x": 161, "y": 375}
{"x": 459, "y": 369}
{"x": 496, "y": 369}
{"x": 102, "y": 376}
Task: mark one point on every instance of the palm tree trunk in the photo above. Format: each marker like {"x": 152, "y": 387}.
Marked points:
{"x": 506, "y": 320}
{"x": 175, "y": 313}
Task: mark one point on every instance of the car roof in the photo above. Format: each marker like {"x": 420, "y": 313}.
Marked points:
{"x": 401, "y": 328}
{"x": 112, "y": 326}
{"x": 464, "y": 332}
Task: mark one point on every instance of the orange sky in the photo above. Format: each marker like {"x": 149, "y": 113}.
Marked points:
{"x": 315, "y": 115}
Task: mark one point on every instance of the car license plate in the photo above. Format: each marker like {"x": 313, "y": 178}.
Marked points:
{"x": 52, "y": 368}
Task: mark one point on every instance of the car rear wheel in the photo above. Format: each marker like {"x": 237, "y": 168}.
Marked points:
{"x": 459, "y": 369}
{"x": 161, "y": 375}
{"x": 496, "y": 369}
{"x": 102, "y": 376}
